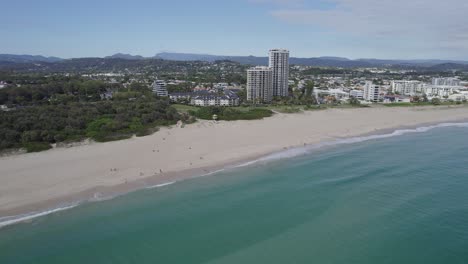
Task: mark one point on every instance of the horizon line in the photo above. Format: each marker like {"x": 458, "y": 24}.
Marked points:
{"x": 207, "y": 54}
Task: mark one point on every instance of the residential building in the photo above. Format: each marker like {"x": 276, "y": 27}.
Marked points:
{"x": 443, "y": 90}
{"x": 221, "y": 86}
{"x": 371, "y": 92}
{"x": 279, "y": 63}
{"x": 260, "y": 84}
{"x": 358, "y": 94}
{"x": 228, "y": 98}
{"x": 337, "y": 93}
{"x": 388, "y": 99}
{"x": 159, "y": 88}
{"x": 458, "y": 97}
{"x": 407, "y": 87}
{"x": 177, "y": 97}
{"x": 109, "y": 94}
{"x": 446, "y": 81}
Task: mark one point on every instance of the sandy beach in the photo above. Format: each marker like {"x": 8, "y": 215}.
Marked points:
{"x": 37, "y": 181}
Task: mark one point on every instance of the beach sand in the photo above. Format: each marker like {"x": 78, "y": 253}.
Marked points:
{"x": 38, "y": 181}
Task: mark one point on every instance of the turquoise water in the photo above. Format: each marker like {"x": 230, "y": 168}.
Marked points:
{"x": 395, "y": 200}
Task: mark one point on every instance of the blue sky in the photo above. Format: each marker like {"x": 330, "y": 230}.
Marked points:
{"x": 393, "y": 29}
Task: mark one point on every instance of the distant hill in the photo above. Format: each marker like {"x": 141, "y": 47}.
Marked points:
{"x": 253, "y": 60}
{"x": 449, "y": 67}
{"x": 30, "y": 62}
{"x": 325, "y": 61}
{"x": 27, "y": 58}
{"x": 125, "y": 56}
{"x": 85, "y": 65}
{"x": 189, "y": 57}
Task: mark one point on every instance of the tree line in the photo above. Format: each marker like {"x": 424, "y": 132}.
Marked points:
{"x": 51, "y": 110}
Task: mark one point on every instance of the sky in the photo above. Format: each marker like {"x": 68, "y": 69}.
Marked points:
{"x": 384, "y": 29}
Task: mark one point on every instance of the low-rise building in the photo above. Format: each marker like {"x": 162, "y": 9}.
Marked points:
{"x": 406, "y": 87}
{"x": 228, "y": 98}
{"x": 439, "y": 90}
{"x": 458, "y": 97}
{"x": 159, "y": 88}
{"x": 337, "y": 93}
{"x": 388, "y": 99}
{"x": 207, "y": 98}
{"x": 358, "y": 94}
{"x": 178, "y": 97}
{"x": 109, "y": 94}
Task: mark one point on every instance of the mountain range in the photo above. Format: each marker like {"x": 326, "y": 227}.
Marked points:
{"x": 27, "y": 58}
{"x": 8, "y": 59}
{"x": 317, "y": 61}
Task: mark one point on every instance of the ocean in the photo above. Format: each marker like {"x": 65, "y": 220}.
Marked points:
{"x": 397, "y": 198}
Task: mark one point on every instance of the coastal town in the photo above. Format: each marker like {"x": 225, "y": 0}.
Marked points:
{"x": 106, "y": 99}
{"x": 230, "y": 84}
{"x": 264, "y": 83}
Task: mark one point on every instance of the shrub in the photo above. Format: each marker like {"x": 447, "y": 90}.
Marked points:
{"x": 231, "y": 114}
{"x": 36, "y": 146}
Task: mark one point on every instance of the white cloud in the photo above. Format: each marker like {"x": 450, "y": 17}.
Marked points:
{"x": 443, "y": 23}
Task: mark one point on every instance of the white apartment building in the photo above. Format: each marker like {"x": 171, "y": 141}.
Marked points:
{"x": 358, "y": 94}
{"x": 260, "y": 84}
{"x": 279, "y": 63}
{"x": 407, "y": 87}
{"x": 159, "y": 88}
{"x": 458, "y": 97}
{"x": 337, "y": 93}
{"x": 229, "y": 98}
{"x": 371, "y": 92}
{"x": 446, "y": 81}
{"x": 443, "y": 90}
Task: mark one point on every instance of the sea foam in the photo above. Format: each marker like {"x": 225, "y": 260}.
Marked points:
{"x": 10, "y": 220}
{"x": 303, "y": 150}
{"x": 160, "y": 185}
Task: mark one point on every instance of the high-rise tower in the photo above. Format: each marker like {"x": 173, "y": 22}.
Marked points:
{"x": 279, "y": 63}
{"x": 259, "y": 84}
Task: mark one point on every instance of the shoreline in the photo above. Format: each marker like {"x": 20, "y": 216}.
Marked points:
{"x": 108, "y": 191}
{"x": 111, "y": 192}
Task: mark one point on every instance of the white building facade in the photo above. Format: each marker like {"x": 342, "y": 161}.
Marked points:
{"x": 279, "y": 63}
{"x": 160, "y": 89}
{"x": 407, "y": 87}
{"x": 358, "y": 94}
{"x": 446, "y": 81}
{"x": 260, "y": 84}
{"x": 443, "y": 90}
{"x": 371, "y": 92}
{"x": 228, "y": 99}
